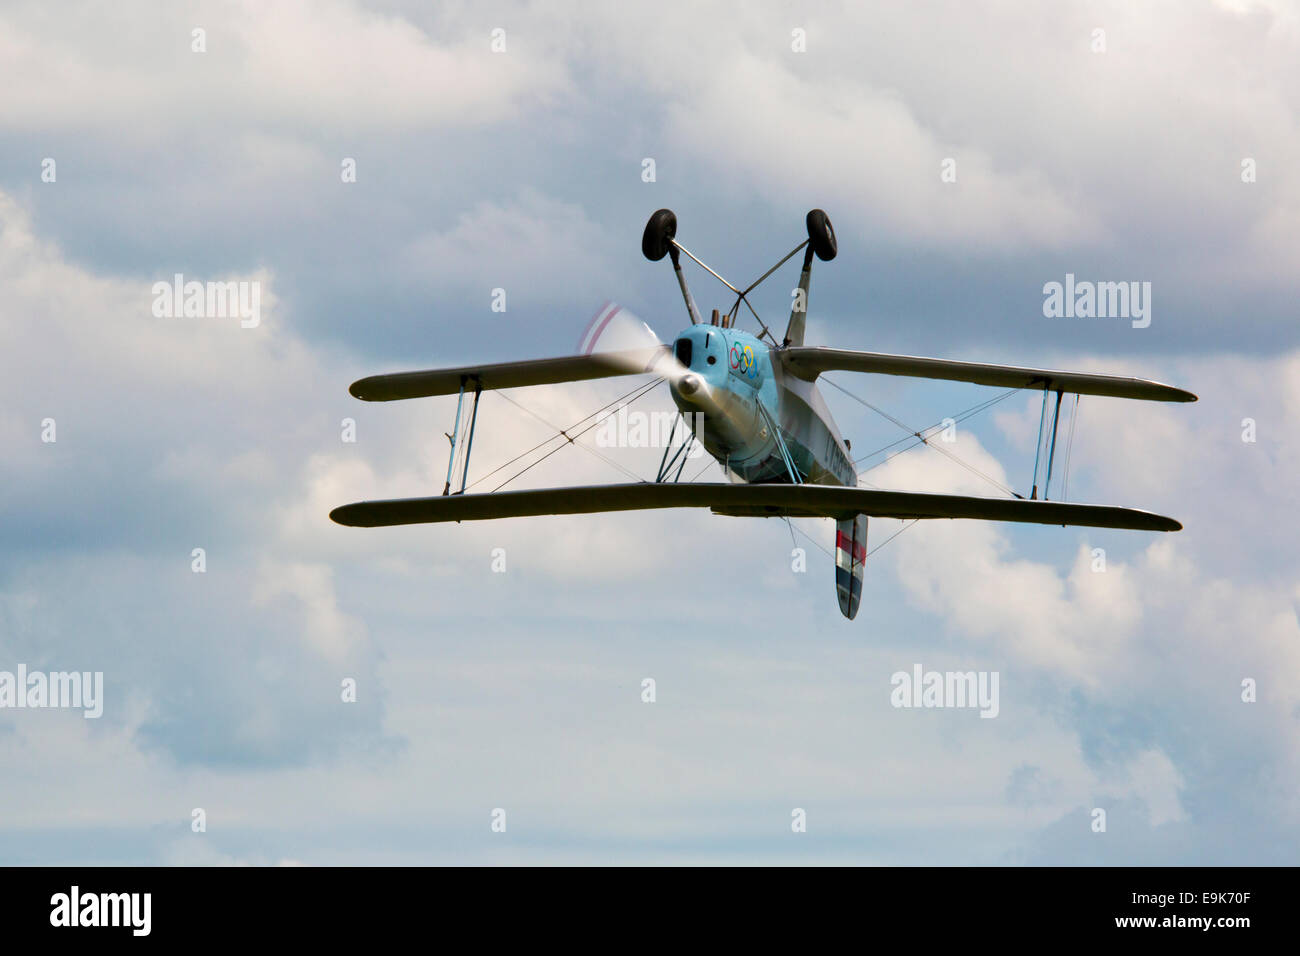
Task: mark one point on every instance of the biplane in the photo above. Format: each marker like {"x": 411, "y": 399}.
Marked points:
{"x": 757, "y": 410}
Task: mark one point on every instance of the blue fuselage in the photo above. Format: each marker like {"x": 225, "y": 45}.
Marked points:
{"x": 748, "y": 390}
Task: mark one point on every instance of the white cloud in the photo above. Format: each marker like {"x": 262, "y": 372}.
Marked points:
{"x": 865, "y": 147}
{"x": 1157, "y": 782}
{"x": 966, "y": 573}
{"x": 535, "y": 248}
{"x": 321, "y": 66}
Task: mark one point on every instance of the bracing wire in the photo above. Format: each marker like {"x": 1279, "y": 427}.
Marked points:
{"x": 924, "y": 438}
{"x": 572, "y": 439}
{"x": 603, "y": 457}
{"x": 642, "y": 389}
{"x": 892, "y": 537}
{"x": 824, "y": 550}
{"x": 930, "y": 430}
{"x": 1069, "y": 445}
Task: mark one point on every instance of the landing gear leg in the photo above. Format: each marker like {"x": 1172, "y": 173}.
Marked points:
{"x": 657, "y": 242}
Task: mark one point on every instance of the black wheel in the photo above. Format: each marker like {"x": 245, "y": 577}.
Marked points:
{"x": 661, "y": 227}
{"x": 822, "y": 235}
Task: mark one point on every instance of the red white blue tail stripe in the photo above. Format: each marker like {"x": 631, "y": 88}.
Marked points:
{"x": 850, "y": 562}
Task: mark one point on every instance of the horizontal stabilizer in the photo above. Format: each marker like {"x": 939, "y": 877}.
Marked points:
{"x": 759, "y": 500}
{"x": 448, "y": 381}
{"x": 808, "y": 363}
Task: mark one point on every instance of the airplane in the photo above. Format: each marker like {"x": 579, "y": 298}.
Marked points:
{"x": 758, "y": 412}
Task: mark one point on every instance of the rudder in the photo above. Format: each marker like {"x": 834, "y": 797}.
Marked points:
{"x": 850, "y": 562}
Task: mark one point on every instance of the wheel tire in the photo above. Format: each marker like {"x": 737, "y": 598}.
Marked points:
{"x": 661, "y": 228}
{"x": 822, "y": 235}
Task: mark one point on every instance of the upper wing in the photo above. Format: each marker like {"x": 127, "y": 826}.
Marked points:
{"x": 739, "y": 499}
{"x": 808, "y": 363}
{"x": 449, "y": 381}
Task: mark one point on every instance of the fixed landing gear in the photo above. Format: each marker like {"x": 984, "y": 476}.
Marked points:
{"x": 821, "y": 235}
{"x": 657, "y": 239}
{"x": 660, "y": 239}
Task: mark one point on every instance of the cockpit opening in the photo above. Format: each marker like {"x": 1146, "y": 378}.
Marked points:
{"x": 682, "y": 351}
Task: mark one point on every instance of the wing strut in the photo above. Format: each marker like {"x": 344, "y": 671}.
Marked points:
{"x": 1051, "y": 453}
{"x": 469, "y": 445}
{"x": 681, "y": 451}
{"x": 455, "y": 434}
{"x": 786, "y": 457}
{"x": 1051, "y": 446}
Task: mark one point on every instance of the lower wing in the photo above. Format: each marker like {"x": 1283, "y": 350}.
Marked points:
{"x": 827, "y": 501}
{"x": 810, "y": 362}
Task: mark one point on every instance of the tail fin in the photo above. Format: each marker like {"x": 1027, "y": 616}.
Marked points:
{"x": 799, "y": 311}
{"x": 850, "y": 562}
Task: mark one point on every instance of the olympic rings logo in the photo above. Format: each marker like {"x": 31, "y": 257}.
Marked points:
{"x": 741, "y": 359}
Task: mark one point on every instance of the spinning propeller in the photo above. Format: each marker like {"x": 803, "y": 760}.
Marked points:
{"x": 630, "y": 343}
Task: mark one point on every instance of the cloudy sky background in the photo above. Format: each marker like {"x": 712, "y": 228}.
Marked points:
{"x": 522, "y": 170}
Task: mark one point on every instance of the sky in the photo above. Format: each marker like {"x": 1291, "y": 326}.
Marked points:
{"x": 501, "y": 146}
